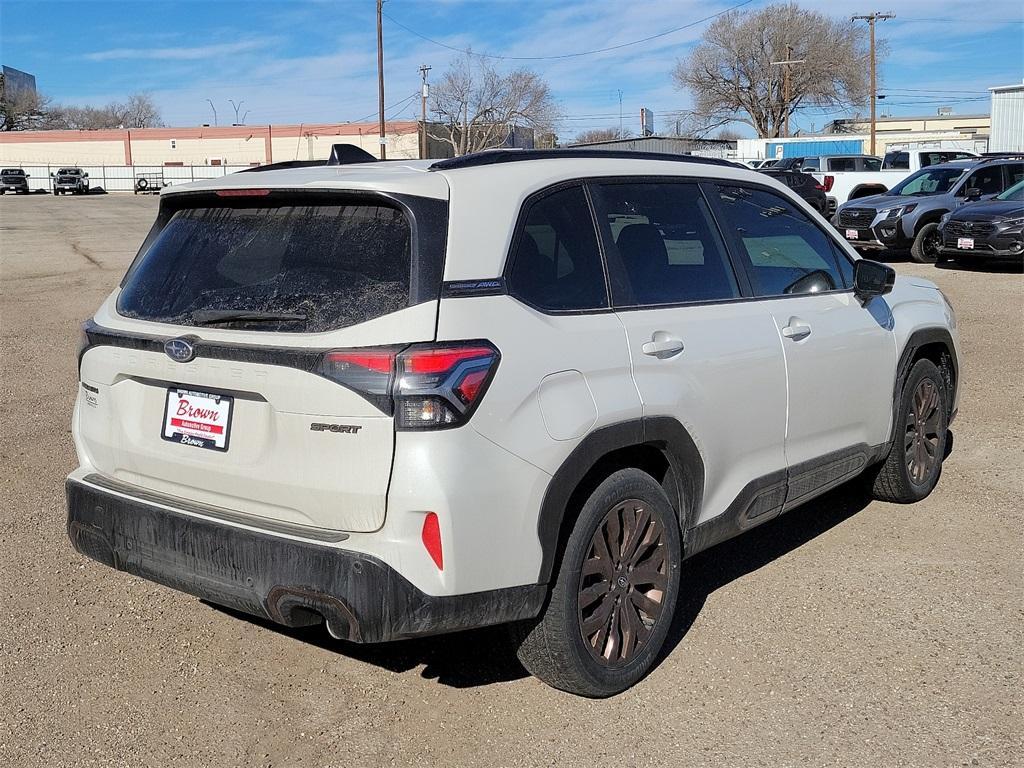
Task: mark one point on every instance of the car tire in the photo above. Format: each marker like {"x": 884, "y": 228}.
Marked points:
{"x": 912, "y": 468}
{"x": 607, "y": 617}
{"x": 925, "y": 249}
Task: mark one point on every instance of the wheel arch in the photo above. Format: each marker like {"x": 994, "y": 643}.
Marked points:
{"x": 660, "y": 446}
{"x": 934, "y": 344}
{"x": 866, "y": 190}
{"x": 929, "y": 217}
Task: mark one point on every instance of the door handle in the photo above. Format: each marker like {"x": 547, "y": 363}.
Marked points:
{"x": 796, "y": 330}
{"x": 662, "y": 345}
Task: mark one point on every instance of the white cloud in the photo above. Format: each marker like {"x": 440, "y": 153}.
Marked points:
{"x": 179, "y": 53}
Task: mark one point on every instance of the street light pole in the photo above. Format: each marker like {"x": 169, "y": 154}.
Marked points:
{"x": 214, "y": 111}
{"x": 871, "y": 18}
{"x": 380, "y": 79}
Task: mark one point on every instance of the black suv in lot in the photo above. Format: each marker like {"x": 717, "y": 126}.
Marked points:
{"x": 989, "y": 229}
{"x": 13, "y": 180}
{"x": 805, "y": 185}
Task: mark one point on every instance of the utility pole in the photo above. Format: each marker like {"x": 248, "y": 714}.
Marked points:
{"x": 620, "y": 115}
{"x": 786, "y": 86}
{"x": 423, "y": 109}
{"x": 380, "y": 79}
{"x": 871, "y": 18}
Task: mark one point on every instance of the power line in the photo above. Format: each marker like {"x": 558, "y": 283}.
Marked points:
{"x": 963, "y": 21}
{"x": 568, "y": 55}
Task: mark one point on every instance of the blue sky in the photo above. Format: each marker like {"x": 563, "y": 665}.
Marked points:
{"x": 294, "y": 61}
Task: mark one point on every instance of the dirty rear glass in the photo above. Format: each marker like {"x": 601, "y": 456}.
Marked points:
{"x": 293, "y": 268}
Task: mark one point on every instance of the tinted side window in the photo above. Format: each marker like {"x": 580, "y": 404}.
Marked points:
{"x": 988, "y": 179}
{"x": 899, "y": 161}
{"x": 842, "y": 164}
{"x": 557, "y": 264}
{"x": 810, "y": 162}
{"x": 785, "y": 251}
{"x": 872, "y": 164}
{"x": 1014, "y": 174}
{"x": 663, "y": 245}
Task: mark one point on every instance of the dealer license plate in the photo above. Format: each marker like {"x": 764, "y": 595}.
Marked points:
{"x": 851, "y": 234}
{"x": 965, "y": 243}
{"x": 199, "y": 419}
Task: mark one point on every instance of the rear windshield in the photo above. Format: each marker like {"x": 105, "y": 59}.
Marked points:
{"x": 12, "y": 172}
{"x": 276, "y": 267}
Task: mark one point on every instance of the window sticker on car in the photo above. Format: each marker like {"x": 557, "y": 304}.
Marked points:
{"x": 199, "y": 419}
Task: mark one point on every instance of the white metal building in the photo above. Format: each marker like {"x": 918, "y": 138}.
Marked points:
{"x": 1007, "y": 118}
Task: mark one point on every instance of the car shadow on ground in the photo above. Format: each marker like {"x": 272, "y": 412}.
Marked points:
{"x": 984, "y": 266}
{"x": 487, "y": 656}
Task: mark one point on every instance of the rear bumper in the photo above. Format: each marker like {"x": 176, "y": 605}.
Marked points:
{"x": 291, "y": 582}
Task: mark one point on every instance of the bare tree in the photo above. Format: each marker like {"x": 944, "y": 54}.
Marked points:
{"x": 140, "y": 111}
{"x": 728, "y": 134}
{"x": 477, "y": 107}
{"x": 732, "y": 77}
{"x": 20, "y": 109}
{"x": 600, "y": 134}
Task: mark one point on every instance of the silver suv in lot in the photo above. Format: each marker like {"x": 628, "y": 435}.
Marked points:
{"x": 908, "y": 215}
{"x": 518, "y": 387}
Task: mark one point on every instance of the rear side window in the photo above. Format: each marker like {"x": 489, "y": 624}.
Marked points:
{"x": 898, "y": 161}
{"x": 274, "y": 267}
{"x": 664, "y": 247}
{"x": 557, "y": 265}
{"x": 783, "y": 250}
{"x": 842, "y": 164}
{"x": 872, "y": 164}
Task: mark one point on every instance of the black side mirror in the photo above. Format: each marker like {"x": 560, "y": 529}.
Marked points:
{"x": 870, "y": 278}
{"x": 974, "y": 194}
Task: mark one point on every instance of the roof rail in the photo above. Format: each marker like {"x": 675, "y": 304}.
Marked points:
{"x": 990, "y": 156}
{"x": 497, "y": 156}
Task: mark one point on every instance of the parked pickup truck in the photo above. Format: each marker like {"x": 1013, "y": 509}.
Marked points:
{"x": 841, "y": 186}
{"x": 13, "y": 180}
{"x": 70, "y": 181}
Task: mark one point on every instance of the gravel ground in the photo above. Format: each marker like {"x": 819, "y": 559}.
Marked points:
{"x": 846, "y": 633}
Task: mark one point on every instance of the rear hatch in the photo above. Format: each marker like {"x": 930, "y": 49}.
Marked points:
{"x": 214, "y": 374}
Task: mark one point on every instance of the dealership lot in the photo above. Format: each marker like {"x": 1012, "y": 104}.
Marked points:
{"x": 845, "y": 633}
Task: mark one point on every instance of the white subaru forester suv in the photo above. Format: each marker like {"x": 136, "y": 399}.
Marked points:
{"x": 520, "y": 387}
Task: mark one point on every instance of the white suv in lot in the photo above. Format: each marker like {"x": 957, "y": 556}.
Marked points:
{"x": 518, "y": 387}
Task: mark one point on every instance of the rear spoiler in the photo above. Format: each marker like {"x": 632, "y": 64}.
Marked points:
{"x": 341, "y": 154}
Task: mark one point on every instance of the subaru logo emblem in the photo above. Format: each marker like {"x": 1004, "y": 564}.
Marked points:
{"x": 179, "y": 350}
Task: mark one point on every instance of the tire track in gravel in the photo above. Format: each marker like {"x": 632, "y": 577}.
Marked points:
{"x": 82, "y": 251}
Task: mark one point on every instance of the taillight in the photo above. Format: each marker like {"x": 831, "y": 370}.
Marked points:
{"x": 440, "y": 386}
{"x": 829, "y": 181}
{"x": 369, "y": 371}
{"x": 425, "y": 386}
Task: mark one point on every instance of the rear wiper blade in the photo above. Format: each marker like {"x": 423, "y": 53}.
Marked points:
{"x": 209, "y": 316}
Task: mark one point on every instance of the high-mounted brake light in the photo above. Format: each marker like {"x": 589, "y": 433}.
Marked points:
{"x": 242, "y": 192}
{"x": 426, "y": 386}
